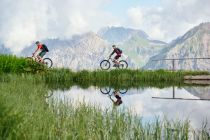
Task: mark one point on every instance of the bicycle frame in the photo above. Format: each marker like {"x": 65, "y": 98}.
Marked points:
{"x": 35, "y": 58}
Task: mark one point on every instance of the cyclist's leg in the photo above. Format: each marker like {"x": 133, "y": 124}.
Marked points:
{"x": 116, "y": 59}
{"x": 41, "y": 55}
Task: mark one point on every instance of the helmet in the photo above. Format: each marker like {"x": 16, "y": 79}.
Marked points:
{"x": 37, "y": 42}
{"x": 113, "y": 46}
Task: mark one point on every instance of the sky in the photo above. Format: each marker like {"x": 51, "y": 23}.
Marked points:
{"x": 24, "y": 21}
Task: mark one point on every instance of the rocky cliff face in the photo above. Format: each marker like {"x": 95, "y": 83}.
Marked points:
{"x": 194, "y": 44}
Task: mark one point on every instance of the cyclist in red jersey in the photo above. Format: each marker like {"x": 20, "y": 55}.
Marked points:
{"x": 118, "y": 55}
{"x": 40, "y": 51}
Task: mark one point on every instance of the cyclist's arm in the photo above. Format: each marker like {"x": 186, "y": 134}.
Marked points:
{"x": 36, "y": 50}
{"x": 111, "y": 53}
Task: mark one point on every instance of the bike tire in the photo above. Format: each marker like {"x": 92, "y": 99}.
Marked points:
{"x": 105, "y": 64}
{"x": 123, "y": 91}
{"x": 123, "y": 64}
{"x": 48, "y": 62}
{"x": 105, "y": 90}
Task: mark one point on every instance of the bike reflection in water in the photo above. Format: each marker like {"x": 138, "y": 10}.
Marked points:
{"x": 116, "y": 93}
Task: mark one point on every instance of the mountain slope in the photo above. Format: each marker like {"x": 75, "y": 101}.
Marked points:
{"x": 85, "y": 54}
{"x": 140, "y": 50}
{"x": 194, "y": 44}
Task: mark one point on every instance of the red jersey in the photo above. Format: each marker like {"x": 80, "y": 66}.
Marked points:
{"x": 40, "y": 46}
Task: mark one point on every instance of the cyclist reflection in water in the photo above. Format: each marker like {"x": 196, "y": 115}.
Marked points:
{"x": 119, "y": 100}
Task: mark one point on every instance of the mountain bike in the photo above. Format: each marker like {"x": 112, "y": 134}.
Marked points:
{"x": 107, "y": 90}
{"x": 46, "y": 61}
{"x": 106, "y": 64}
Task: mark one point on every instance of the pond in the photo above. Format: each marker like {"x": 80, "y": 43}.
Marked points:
{"x": 176, "y": 103}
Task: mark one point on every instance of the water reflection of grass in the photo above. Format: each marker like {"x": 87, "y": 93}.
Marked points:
{"x": 25, "y": 114}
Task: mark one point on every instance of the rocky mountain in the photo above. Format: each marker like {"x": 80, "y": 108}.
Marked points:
{"x": 4, "y": 50}
{"x": 85, "y": 54}
{"x": 194, "y": 44}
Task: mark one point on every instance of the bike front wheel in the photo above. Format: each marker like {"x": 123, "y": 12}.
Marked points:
{"x": 105, "y": 64}
{"x": 29, "y": 59}
{"x": 123, "y": 91}
{"x": 123, "y": 64}
{"x": 48, "y": 62}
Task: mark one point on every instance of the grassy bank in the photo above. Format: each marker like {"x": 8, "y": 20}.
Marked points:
{"x": 17, "y": 65}
{"x": 26, "y": 114}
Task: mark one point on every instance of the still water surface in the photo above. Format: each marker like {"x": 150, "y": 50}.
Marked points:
{"x": 191, "y": 103}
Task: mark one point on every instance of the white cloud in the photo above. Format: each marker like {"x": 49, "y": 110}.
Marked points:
{"x": 135, "y": 16}
{"x": 24, "y": 21}
{"x": 171, "y": 18}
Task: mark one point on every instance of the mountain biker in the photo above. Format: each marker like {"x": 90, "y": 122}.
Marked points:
{"x": 117, "y": 96}
{"x": 40, "y": 51}
{"x": 118, "y": 52}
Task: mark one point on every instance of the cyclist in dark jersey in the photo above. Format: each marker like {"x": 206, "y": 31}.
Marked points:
{"x": 117, "y": 96}
{"x": 40, "y": 51}
{"x": 118, "y": 55}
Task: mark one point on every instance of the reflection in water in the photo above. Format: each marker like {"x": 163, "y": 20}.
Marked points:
{"x": 116, "y": 93}
{"x": 141, "y": 101}
{"x": 191, "y": 91}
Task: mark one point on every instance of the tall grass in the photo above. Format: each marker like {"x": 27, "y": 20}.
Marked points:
{"x": 26, "y": 114}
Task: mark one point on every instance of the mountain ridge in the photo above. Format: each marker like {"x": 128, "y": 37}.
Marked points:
{"x": 194, "y": 43}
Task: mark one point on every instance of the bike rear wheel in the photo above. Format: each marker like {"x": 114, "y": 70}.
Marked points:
{"x": 48, "y": 62}
{"x": 123, "y": 64}
{"x": 105, "y": 90}
{"x": 105, "y": 64}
